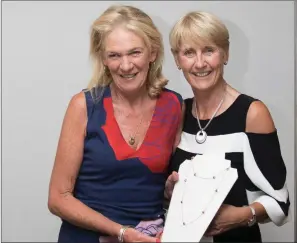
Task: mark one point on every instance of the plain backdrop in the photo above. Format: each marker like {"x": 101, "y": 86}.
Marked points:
{"x": 45, "y": 62}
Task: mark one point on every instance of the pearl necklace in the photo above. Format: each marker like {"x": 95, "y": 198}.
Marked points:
{"x": 215, "y": 191}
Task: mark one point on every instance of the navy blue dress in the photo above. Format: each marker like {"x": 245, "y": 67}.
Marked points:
{"x": 123, "y": 184}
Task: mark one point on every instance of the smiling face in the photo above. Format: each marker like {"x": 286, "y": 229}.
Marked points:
{"x": 202, "y": 65}
{"x": 128, "y": 59}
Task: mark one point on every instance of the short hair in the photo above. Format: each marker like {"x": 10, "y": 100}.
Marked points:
{"x": 133, "y": 19}
{"x": 199, "y": 28}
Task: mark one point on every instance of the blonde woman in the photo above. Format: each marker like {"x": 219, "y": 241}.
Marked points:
{"x": 117, "y": 137}
{"x": 221, "y": 119}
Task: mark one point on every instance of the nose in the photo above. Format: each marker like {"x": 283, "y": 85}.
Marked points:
{"x": 200, "y": 61}
{"x": 126, "y": 64}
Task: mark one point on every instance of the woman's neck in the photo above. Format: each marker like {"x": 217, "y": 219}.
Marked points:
{"x": 208, "y": 101}
{"x": 132, "y": 101}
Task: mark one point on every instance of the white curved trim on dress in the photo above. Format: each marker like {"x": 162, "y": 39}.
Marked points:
{"x": 239, "y": 142}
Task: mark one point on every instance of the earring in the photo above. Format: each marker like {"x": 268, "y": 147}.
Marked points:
{"x": 178, "y": 67}
{"x": 104, "y": 68}
{"x": 225, "y": 63}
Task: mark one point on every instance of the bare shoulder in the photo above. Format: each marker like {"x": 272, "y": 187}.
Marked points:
{"x": 259, "y": 119}
{"x": 77, "y": 106}
{"x": 76, "y": 114}
{"x": 78, "y": 102}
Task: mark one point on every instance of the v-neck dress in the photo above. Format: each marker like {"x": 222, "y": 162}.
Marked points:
{"x": 124, "y": 184}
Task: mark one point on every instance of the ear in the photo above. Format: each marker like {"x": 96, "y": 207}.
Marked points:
{"x": 175, "y": 55}
{"x": 225, "y": 56}
{"x": 103, "y": 59}
{"x": 153, "y": 56}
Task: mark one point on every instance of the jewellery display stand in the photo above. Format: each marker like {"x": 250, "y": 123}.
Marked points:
{"x": 204, "y": 182}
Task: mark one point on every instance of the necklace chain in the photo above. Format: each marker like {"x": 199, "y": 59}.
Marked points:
{"x": 132, "y": 136}
{"x": 201, "y": 134}
{"x": 216, "y": 190}
{"x": 213, "y": 115}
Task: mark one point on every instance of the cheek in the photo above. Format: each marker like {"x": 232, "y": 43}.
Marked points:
{"x": 112, "y": 65}
{"x": 142, "y": 64}
{"x": 186, "y": 63}
{"x": 214, "y": 61}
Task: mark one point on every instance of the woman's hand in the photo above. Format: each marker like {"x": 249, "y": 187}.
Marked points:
{"x": 132, "y": 235}
{"x": 228, "y": 217}
{"x": 171, "y": 180}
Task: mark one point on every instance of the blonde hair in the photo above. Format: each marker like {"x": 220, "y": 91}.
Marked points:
{"x": 141, "y": 24}
{"x": 199, "y": 28}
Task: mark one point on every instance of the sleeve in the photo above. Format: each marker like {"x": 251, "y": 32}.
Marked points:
{"x": 266, "y": 170}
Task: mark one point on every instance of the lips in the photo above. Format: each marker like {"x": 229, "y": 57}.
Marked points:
{"x": 128, "y": 76}
{"x": 201, "y": 74}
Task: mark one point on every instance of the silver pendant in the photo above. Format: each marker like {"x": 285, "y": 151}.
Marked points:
{"x": 201, "y": 136}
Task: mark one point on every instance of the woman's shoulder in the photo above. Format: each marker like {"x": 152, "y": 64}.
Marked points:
{"x": 259, "y": 119}
{"x": 78, "y": 101}
{"x": 177, "y": 96}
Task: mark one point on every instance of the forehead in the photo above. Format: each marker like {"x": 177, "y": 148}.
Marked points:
{"x": 196, "y": 45}
{"x": 121, "y": 39}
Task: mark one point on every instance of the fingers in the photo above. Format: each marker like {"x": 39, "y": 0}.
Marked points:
{"x": 173, "y": 178}
{"x": 159, "y": 234}
{"x": 174, "y": 175}
{"x": 149, "y": 239}
{"x": 212, "y": 232}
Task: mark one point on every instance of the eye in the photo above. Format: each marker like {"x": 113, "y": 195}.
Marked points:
{"x": 113, "y": 56}
{"x": 135, "y": 53}
{"x": 209, "y": 50}
{"x": 189, "y": 53}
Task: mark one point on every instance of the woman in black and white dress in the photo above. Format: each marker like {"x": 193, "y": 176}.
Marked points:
{"x": 221, "y": 117}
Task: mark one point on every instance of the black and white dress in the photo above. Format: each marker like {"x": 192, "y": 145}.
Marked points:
{"x": 257, "y": 158}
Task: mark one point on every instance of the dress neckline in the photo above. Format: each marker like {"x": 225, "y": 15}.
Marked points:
{"x": 218, "y": 116}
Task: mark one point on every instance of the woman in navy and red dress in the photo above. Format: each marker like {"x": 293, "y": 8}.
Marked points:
{"x": 117, "y": 137}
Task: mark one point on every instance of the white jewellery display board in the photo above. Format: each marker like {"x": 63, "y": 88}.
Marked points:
{"x": 204, "y": 182}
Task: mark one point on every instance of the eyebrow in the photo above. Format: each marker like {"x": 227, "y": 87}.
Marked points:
{"x": 188, "y": 49}
{"x": 202, "y": 48}
{"x": 129, "y": 51}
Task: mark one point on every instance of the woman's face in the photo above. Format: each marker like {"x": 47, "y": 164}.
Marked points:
{"x": 202, "y": 65}
{"x": 128, "y": 59}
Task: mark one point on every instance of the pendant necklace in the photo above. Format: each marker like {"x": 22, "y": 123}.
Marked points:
{"x": 201, "y": 134}
{"x": 215, "y": 191}
{"x": 132, "y": 136}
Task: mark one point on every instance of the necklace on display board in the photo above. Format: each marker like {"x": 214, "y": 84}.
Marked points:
{"x": 215, "y": 191}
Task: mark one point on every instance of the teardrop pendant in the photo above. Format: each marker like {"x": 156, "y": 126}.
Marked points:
{"x": 132, "y": 141}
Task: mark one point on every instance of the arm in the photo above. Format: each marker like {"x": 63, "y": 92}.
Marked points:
{"x": 266, "y": 172}
{"x": 271, "y": 201}
{"x": 61, "y": 201}
{"x": 259, "y": 120}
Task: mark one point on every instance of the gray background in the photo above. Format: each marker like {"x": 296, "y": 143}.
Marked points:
{"x": 45, "y": 62}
